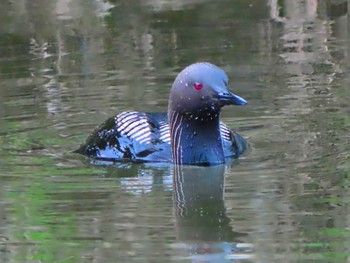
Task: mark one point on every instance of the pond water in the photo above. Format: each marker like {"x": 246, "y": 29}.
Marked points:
{"x": 65, "y": 66}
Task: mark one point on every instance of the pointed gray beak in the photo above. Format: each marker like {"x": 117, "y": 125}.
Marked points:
{"x": 229, "y": 98}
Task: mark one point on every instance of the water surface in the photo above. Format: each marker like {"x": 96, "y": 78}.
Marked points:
{"x": 65, "y": 66}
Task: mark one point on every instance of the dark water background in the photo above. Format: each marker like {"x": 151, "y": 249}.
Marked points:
{"x": 65, "y": 66}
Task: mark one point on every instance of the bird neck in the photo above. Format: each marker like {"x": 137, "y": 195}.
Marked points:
{"x": 196, "y": 139}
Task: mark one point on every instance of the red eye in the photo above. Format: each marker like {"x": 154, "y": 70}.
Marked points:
{"x": 198, "y": 86}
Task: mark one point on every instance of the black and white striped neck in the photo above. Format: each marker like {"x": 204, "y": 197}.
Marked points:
{"x": 196, "y": 139}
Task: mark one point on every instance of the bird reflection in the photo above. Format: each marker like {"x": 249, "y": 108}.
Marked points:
{"x": 202, "y": 226}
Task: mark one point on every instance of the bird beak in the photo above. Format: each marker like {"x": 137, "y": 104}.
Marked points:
{"x": 229, "y": 98}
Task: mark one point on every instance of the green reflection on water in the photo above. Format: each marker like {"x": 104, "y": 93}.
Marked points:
{"x": 43, "y": 231}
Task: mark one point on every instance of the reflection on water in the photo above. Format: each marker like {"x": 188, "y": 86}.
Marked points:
{"x": 202, "y": 226}
{"x": 65, "y": 66}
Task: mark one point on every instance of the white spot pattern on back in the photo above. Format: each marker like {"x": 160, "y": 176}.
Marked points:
{"x": 225, "y": 132}
{"x": 164, "y": 131}
{"x": 134, "y": 125}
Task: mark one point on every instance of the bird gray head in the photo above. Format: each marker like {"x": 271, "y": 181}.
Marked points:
{"x": 199, "y": 88}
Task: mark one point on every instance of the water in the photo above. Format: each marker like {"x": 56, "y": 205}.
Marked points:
{"x": 65, "y": 66}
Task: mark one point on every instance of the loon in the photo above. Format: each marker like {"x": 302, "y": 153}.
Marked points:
{"x": 190, "y": 133}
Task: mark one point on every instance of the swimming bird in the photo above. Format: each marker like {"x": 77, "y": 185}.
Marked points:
{"x": 189, "y": 133}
